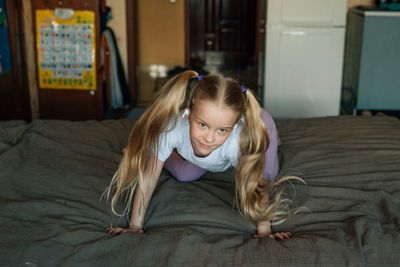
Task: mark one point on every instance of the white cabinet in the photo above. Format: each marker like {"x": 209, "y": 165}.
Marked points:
{"x": 307, "y": 12}
{"x": 304, "y": 58}
{"x": 303, "y": 71}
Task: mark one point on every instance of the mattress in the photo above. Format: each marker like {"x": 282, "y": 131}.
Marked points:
{"x": 53, "y": 173}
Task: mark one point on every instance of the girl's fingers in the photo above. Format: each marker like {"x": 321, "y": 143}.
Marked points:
{"x": 283, "y": 235}
{"x": 279, "y": 235}
{"x": 276, "y": 236}
{"x": 114, "y": 230}
{"x": 120, "y": 230}
{"x": 288, "y": 234}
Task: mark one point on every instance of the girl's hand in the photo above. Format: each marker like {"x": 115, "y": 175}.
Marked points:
{"x": 120, "y": 230}
{"x": 276, "y": 236}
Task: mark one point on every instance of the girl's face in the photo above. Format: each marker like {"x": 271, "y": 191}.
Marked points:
{"x": 210, "y": 126}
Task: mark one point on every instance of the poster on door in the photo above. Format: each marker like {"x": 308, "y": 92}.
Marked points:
{"x": 66, "y": 50}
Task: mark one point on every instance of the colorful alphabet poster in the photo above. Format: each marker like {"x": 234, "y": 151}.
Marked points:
{"x": 66, "y": 50}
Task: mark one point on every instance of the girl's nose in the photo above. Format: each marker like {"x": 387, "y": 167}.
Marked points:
{"x": 209, "y": 137}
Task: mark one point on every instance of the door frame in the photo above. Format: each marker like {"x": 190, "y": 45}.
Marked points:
{"x": 131, "y": 31}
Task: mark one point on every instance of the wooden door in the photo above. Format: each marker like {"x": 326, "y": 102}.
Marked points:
{"x": 14, "y": 93}
{"x": 72, "y": 104}
{"x": 222, "y": 34}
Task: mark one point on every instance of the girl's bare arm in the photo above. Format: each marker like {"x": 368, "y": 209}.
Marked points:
{"x": 264, "y": 229}
{"x": 141, "y": 200}
{"x": 143, "y": 195}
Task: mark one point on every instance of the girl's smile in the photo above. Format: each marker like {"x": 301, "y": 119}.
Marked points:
{"x": 210, "y": 126}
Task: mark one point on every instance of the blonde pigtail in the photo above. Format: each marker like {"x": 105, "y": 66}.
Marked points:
{"x": 144, "y": 138}
{"x": 253, "y": 192}
{"x": 254, "y": 141}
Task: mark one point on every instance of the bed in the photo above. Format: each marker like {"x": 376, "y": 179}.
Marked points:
{"x": 53, "y": 173}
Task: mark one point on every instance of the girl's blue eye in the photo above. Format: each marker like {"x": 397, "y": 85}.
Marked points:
{"x": 202, "y": 124}
{"x": 222, "y": 130}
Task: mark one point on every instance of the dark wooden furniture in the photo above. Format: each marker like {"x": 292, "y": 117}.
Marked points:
{"x": 222, "y": 33}
{"x": 14, "y": 93}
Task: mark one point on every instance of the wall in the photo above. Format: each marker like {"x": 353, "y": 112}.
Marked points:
{"x": 161, "y": 32}
{"x": 118, "y": 25}
{"x": 160, "y": 39}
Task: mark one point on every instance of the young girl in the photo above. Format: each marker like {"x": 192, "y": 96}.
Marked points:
{"x": 222, "y": 126}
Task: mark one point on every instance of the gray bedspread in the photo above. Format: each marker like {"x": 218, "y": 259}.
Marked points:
{"x": 52, "y": 174}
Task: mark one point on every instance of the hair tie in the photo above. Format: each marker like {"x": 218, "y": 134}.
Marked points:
{"x": 199, "y": 77}
{"x": 186, "y": 113}
{"x": 244, "y": 89}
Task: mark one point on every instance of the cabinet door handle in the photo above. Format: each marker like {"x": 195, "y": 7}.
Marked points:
{"x": 294, "y": 33}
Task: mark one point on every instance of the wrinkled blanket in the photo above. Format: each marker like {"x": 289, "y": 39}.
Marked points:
{"x": 52, "y": 174}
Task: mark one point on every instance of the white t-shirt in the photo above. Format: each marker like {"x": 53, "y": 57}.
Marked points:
{"x": 218, "y": 160}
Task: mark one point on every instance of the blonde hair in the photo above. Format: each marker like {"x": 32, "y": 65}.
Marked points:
{"x": 252, "y": 190}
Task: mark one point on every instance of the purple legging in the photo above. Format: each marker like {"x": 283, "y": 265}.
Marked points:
{"x": 186, "y": 171}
